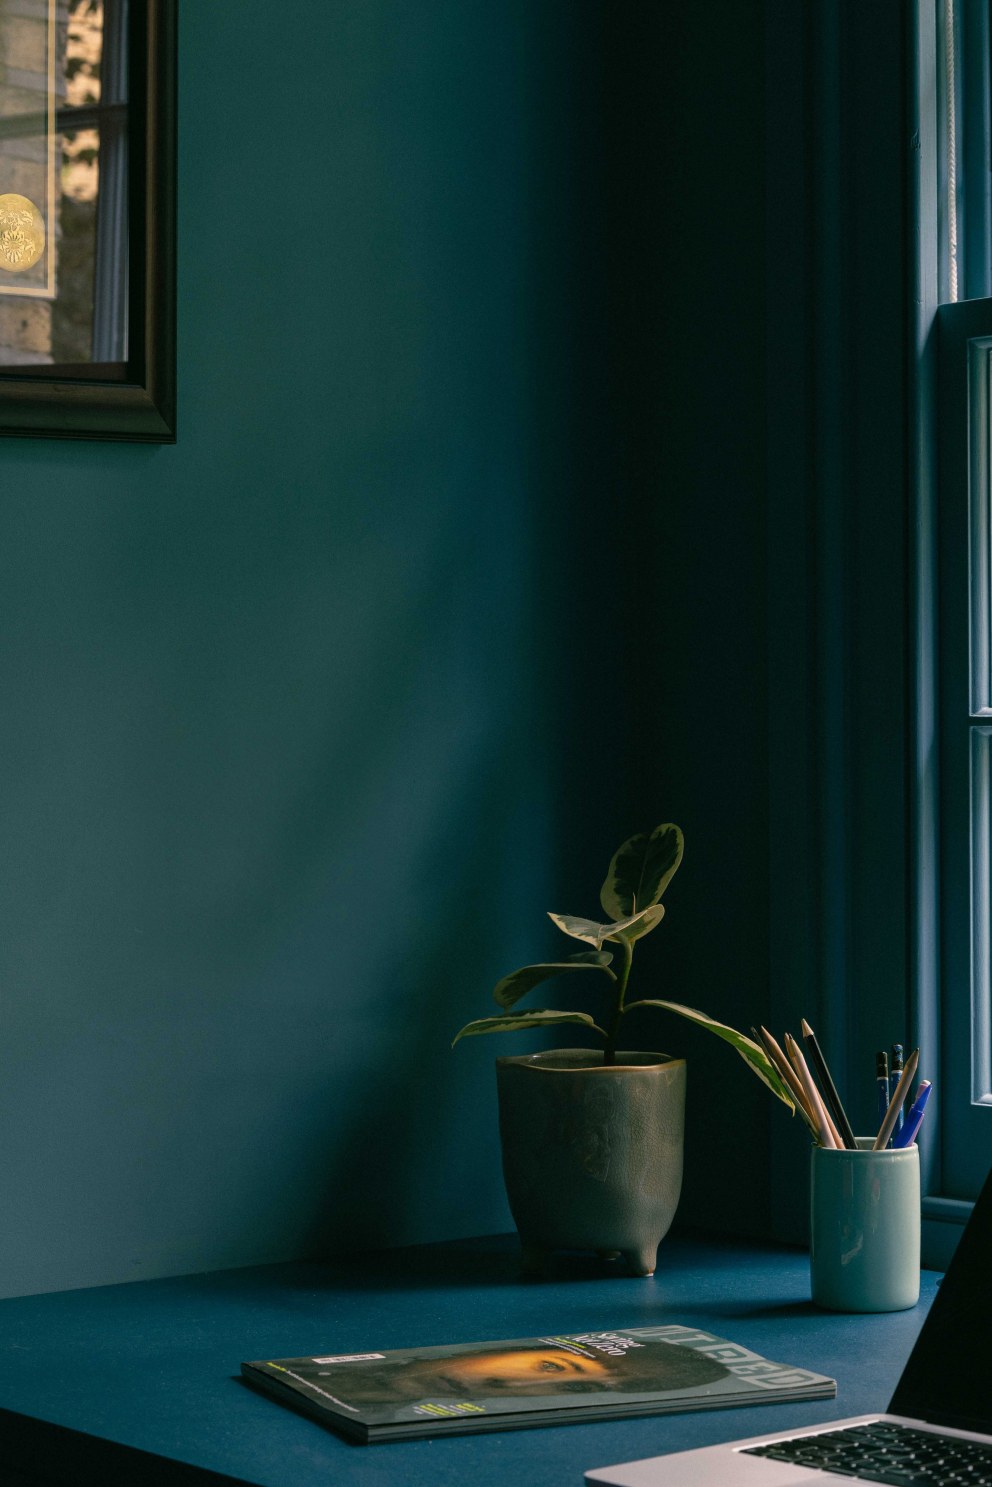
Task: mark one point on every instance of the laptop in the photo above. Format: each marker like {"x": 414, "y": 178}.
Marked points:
{"x": 938, "y": 1429}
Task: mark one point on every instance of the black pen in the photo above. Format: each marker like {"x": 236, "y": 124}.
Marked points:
{"x": 882, "y": 1082}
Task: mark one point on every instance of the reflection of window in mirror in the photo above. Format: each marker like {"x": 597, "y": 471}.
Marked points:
{"x": 63, "y": 185}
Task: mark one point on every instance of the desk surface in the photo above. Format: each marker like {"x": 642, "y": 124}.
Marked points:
{"x": 153, "y": 1365}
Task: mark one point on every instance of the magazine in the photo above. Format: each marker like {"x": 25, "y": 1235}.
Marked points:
{"x": 555, "y": 1380}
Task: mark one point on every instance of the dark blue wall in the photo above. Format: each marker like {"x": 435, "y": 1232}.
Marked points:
{"x": 445, "y": 589}
{"x": 683, "y": 185}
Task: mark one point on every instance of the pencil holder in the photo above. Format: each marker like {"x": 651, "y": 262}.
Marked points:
{"x": 865, "y": 1228}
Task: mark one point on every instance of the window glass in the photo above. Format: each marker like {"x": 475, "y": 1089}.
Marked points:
{"x": 965, "y": 522}
{"x": 960, "y": 106}
{"x": 63, "y": 186}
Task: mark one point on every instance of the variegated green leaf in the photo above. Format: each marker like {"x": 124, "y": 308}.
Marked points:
{"x": 750, "y": 1052}
{"x": 514, "y": 1021}
{"x": 517, "y": 984}
{"x": 640, "y": 924}
{"x": 641, "y": 871}
{"x": 595, "y": 934}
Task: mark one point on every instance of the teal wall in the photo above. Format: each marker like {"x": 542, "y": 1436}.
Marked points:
{"x": 445, "y": 589}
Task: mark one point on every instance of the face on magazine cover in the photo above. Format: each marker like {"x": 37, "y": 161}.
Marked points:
{"x": 536, "y": 1370}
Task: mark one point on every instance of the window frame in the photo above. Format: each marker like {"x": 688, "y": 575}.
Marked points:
{"x": 964, "y": 401}
{"x": 133, "y": 400}
{"x": 951, "y": 376}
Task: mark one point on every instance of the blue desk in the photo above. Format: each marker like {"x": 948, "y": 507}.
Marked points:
{"x": 152, "y": 1366}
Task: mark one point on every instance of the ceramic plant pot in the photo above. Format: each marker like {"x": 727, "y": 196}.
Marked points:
{"x": 592, "y": 1156}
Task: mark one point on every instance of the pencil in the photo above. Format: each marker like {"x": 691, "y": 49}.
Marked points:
{"x": 816, "y": 1104}
{"x": 784, "y": 1068}
{"x": 831, "y": 1098}
{"x": 896, "y": 1103}
{"x": 813, "y": 1116}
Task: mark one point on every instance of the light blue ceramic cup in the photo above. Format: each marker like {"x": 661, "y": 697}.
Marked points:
{"x": 865, "y": 1227}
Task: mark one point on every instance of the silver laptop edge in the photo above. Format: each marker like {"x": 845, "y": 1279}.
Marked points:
{"x": 945, "y": 1387}
{"x": 723, "y": 1466}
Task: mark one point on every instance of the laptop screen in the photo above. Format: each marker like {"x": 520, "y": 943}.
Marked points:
{"x": 948, "y": 1379}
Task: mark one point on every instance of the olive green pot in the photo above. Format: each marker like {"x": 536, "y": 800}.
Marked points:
{"x": 592, "y": 1155}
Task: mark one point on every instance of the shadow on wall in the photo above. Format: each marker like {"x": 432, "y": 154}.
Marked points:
{"x": 416, "y": 1151}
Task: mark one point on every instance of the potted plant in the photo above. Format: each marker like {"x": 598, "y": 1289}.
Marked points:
{"x": 592, "y": 1143}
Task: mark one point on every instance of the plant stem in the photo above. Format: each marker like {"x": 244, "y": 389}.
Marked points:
{"x": 610, "y": 1051}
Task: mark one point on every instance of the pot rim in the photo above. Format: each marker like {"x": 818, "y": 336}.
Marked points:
{"x": 887, "y": 1153}
{"x": 627, "y": 1061}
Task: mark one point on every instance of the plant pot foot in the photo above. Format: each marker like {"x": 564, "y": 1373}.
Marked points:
{"x": 608, "y": 1254}
{"x": 641, "y": 1261}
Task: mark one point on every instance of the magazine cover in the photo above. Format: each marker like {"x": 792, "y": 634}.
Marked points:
{"x": 467, "y": 1387}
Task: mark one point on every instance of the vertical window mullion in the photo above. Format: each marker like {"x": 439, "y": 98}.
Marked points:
{"x": 110, "y": 287}
{"x": 948, "y": 109}
{"x": 981, "y": 1022}
{"x": 979, "y": 433}
{"x": 975, "y": 181}
{"x": 979, "y": 495}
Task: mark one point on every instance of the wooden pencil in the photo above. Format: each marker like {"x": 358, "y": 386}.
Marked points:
{"x": 787, "y": 1072}
{"x": 813, "y": 1094}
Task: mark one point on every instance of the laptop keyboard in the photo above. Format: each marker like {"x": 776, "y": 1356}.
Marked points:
{"x": 883, "y": 1452}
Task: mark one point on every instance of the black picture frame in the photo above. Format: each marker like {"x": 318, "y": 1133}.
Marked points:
{"x": 133, "y": 400}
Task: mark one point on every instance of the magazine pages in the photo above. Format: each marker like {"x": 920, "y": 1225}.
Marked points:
{"x": 467, "y": 1387}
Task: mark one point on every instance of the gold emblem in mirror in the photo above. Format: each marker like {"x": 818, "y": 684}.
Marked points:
{"x": 22, "y": 233}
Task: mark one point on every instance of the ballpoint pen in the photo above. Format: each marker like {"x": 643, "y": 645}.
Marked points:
{"x": 896, "y": 1103}
{"x": 914, "y": 1116}
{"x": 882, "y": 1082}
{"x": 895, "y": 1074}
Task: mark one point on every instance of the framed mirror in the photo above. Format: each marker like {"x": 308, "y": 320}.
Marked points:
{"x": 87, "y": 218}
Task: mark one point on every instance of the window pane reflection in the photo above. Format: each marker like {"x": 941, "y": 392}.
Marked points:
{"x": 72, "y": 311}
{"x": 63, "y": 183}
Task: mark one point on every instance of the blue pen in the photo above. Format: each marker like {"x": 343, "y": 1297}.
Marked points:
{"x": 895, "y": 1074}
{"x": 914, "y": 1116}
{"x": 882, "y": 1083}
